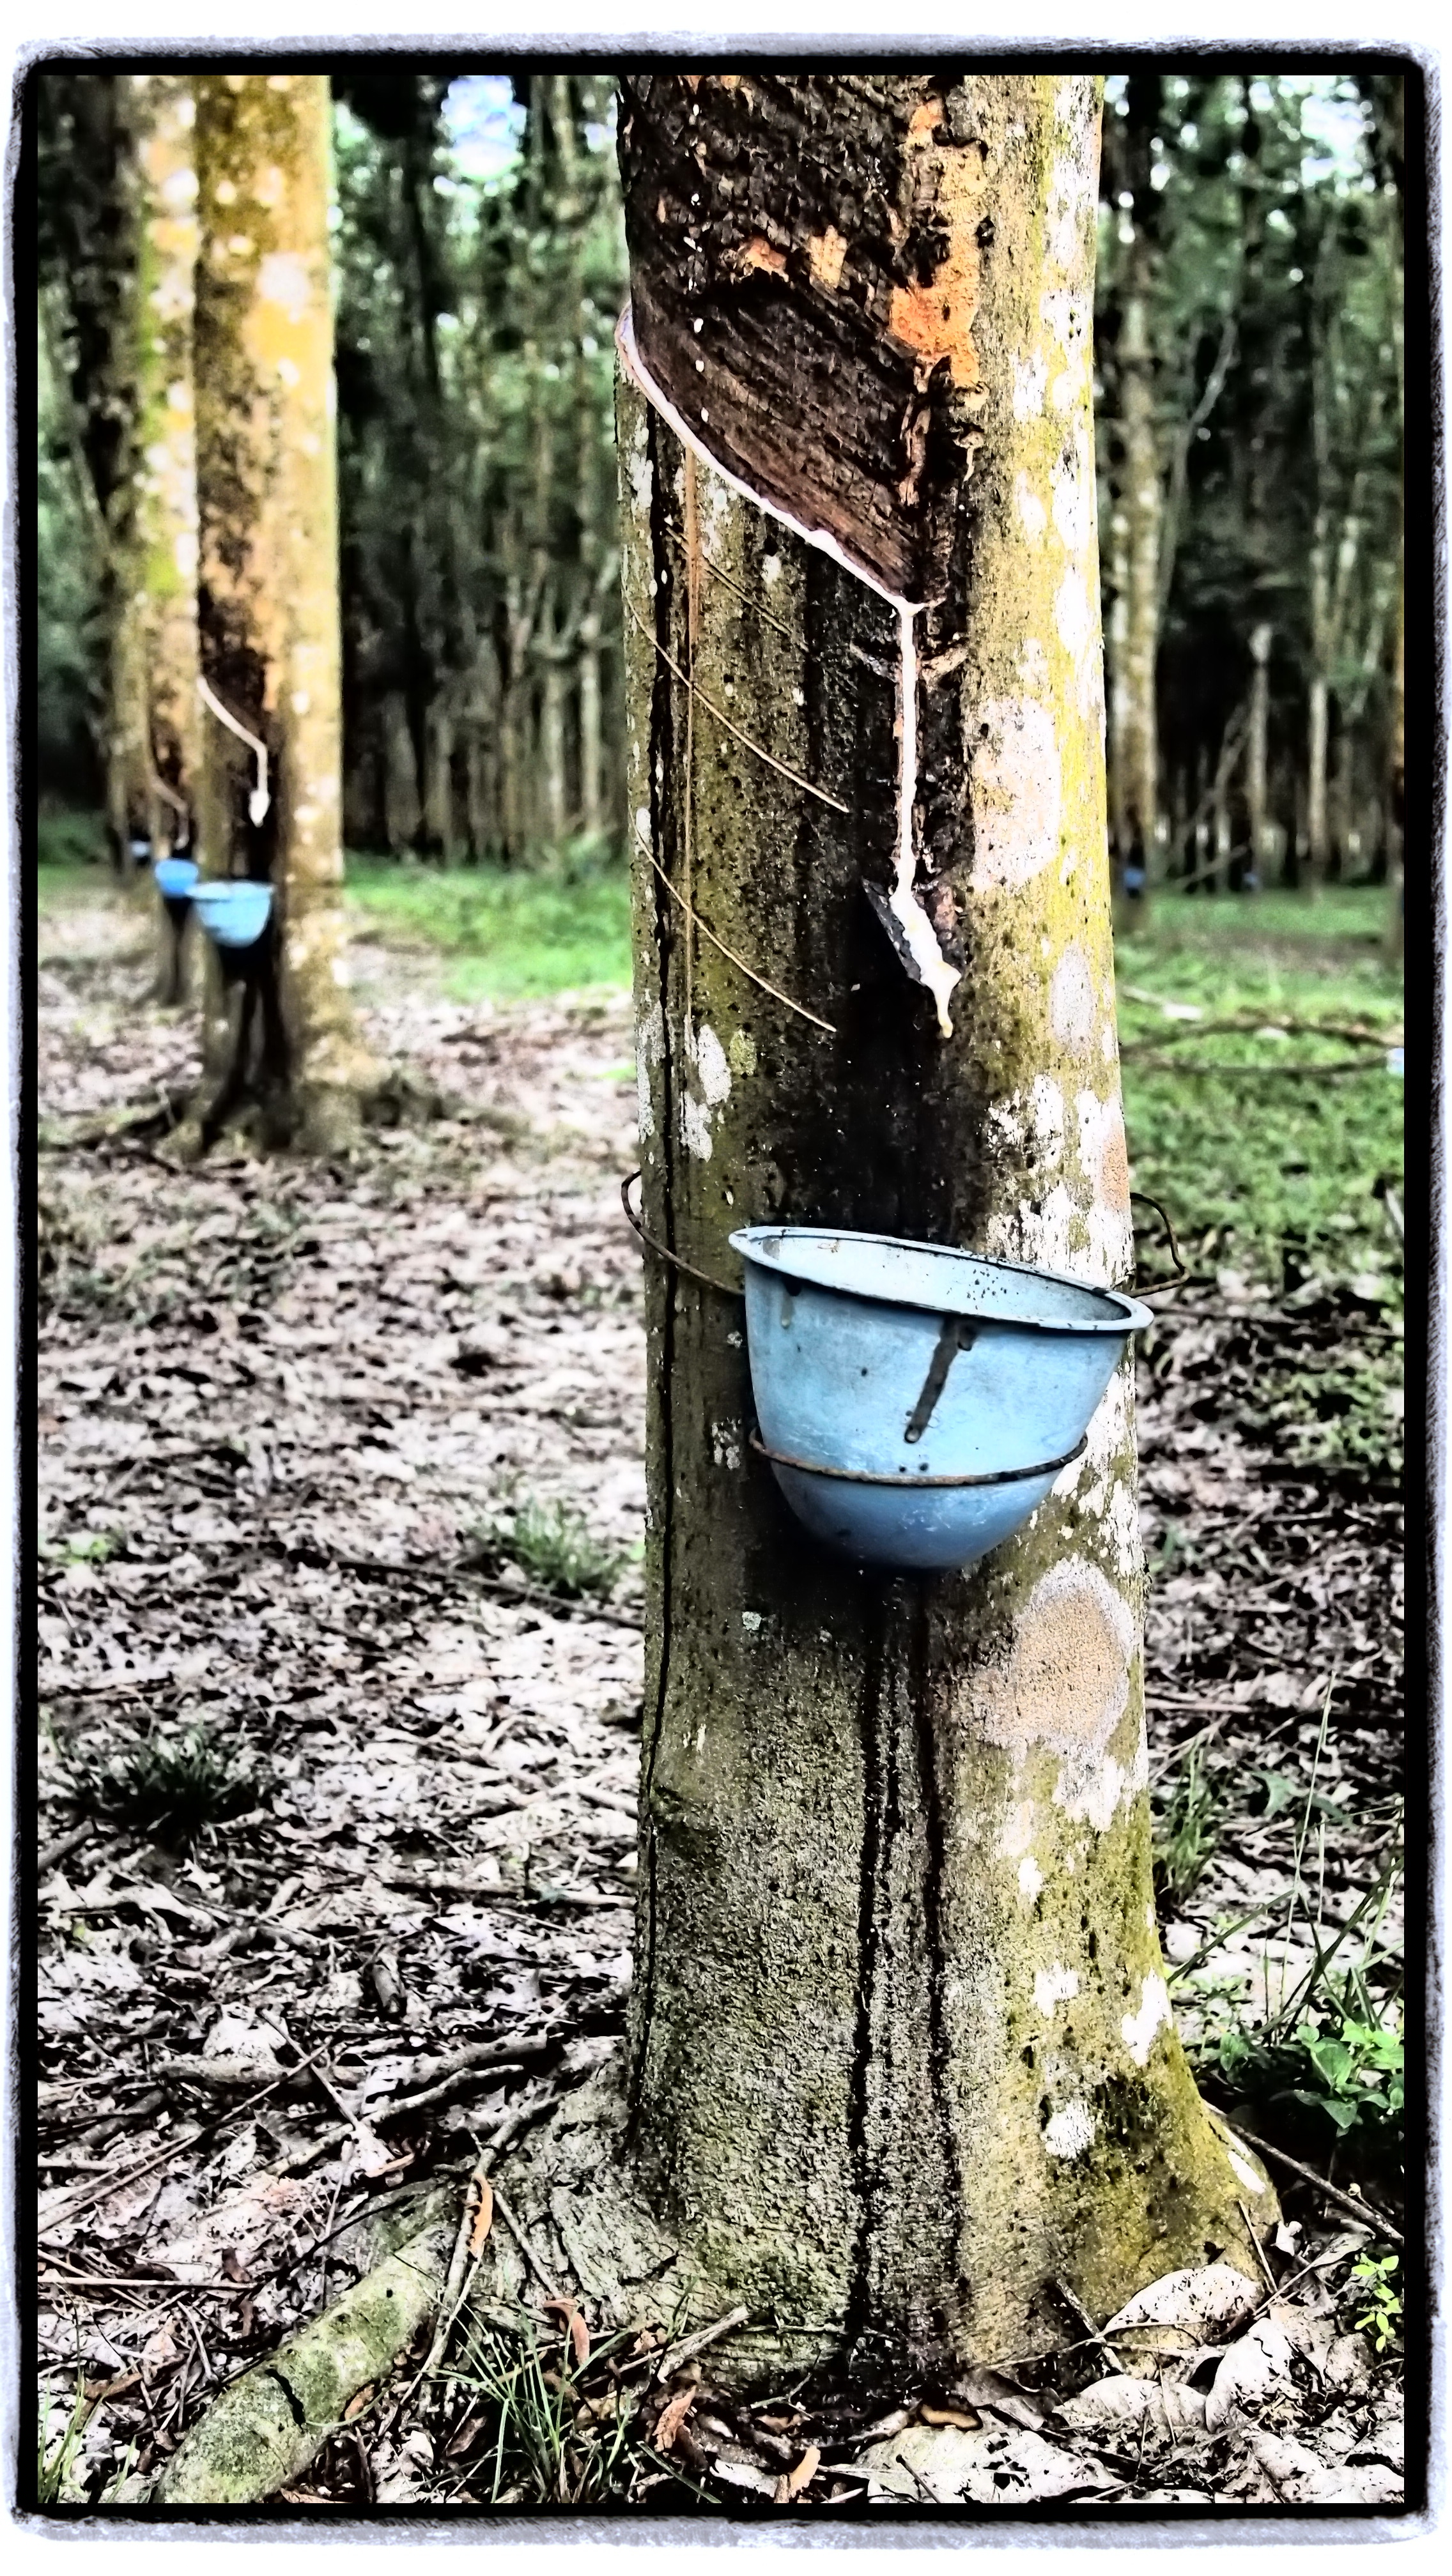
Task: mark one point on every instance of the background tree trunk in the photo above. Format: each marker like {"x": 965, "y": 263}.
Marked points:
{"x": 268, "y": 599}
{"x": 1139, "y": 497}
{"x": 89, "y": 208}
{"x": 166, "y": 500}
{"x": 1318, "y": 810}
{"x": 1257, "y": 785}
{"x": 901, "y": 2050}
{"x": 1397, "y": 783}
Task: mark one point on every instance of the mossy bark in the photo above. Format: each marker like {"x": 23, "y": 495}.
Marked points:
{"x": 166, "y": 479}
{"x": 118, "y": 396}
{"x": 1143, "y": 505}
{"x": 268, "y": 600}
{"x": 901, "y": 2054}
{"x": 162, "y": 611}
{"x": 271, "y": 2421}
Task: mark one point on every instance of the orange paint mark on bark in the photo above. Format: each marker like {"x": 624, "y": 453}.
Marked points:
{"x": 936, "y": 320}
{"x": 1114, "y": 1173}
{"x": 758, "y": 253}
{"x": 827, "y": 251}
{"x": 925, "y": 121}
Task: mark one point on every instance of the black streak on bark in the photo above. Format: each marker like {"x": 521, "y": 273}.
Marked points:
{"x": 935, "y": 1927}
{"x": 662, "y": 754}
{"x": 863, "y": 2159}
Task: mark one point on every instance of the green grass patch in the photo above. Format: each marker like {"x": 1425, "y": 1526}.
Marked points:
{"x": 554, "y": 1547}
{"x": 1278, "y": 1171}
{"x": 170, "y": 1787}
{"x": 69, "y": 838}
{"x": 1187, "y": 1823}
{"x": 502, "y": 934}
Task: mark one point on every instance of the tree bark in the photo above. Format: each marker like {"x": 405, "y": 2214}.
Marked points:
{"x": 90, "y": 215}
{"x": 1139, "y": 500}
{"x": 1318, "y": 829}
{"x": 268, "y": 601}
{"x": 439, "y": 784}
{"x": 1395, "y": 937}
{"x": 1257, "y": 790}
{"x": 162, "y": 638}
{"x": 166, "y": 503}
{"x": 901, "y": 2055}
{"x": 402, "y": 805}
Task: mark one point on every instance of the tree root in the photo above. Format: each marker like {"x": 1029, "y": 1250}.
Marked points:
{"x": 271, "y": 2422}
{"x": 574, "y": 2217}
{"x": 569, "y": 2224}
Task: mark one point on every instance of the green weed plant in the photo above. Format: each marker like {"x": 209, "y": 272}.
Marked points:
{"x": 555, "y": 1548}
{"x": 171, "y": 1787}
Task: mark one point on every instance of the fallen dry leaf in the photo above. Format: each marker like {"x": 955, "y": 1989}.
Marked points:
{"x": 672, "y": 2416}
{"x": 574, "y": 2324}
{"x": 939, "y": 2464}
{"x": 1179, "y": 2313}
{"x": 789, "y": 2487}
{"x": 483, "y": 2217}
{"x": 981, "y": 2387}
{"x": 1123, "y": 2403}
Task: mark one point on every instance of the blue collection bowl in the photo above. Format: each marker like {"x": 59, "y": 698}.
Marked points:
{"x": 175, "y": 877}
{"x": 233, "y": 911}
{"x": 880, "y": 1366}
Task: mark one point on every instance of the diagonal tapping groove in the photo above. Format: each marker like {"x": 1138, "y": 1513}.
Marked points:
{"x": 905, "y": 918}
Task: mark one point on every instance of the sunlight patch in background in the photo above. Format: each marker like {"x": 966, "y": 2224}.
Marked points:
{"x": 484, "y": 124}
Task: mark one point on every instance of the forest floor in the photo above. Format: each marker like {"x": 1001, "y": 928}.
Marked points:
{"x": 341, "y": 1499}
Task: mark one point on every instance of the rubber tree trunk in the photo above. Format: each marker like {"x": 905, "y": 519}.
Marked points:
{"x": 165, "y": 600}
{"x": 1395, "y": 827}
{"x": 402, "y": 804}
{"x": 1142, "y": 504}
{"x": 902, "y": 2055}
{"x": 1318, "y": 824}
{"x": 439, "y": 796}
{"x": 283, "y": 1037}
{"x": 166, "y": 506}
{"x": 127, "y": 762}
{"x": 1139, "y": 498}
{"x": 1257, "y": 787}
{"x": 1116, "y": 660}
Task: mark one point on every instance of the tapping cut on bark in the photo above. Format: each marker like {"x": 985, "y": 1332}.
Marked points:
{"x": 804, "y": 276}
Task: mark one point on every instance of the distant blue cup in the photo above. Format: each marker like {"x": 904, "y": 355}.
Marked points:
{"x": 917, "y": 1403}
{"x": 233, "y": 911}
{"x": 175, "y": 877}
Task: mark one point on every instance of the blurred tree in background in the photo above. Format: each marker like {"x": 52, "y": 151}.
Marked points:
{"x": 1249, "y": 342}
{"x": 482, "y": 266}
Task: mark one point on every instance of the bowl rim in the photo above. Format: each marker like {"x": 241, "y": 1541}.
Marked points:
{"x": 1129, "y": 1315}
